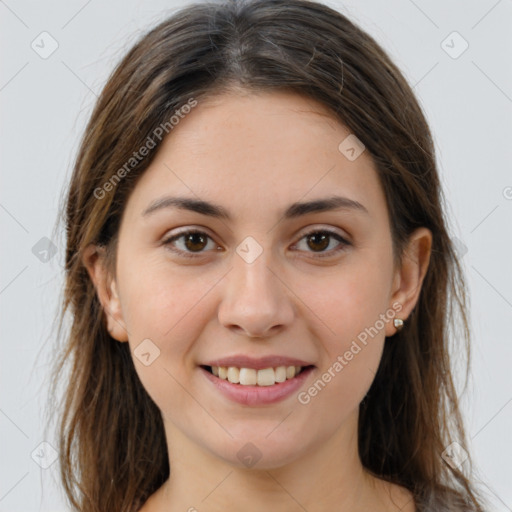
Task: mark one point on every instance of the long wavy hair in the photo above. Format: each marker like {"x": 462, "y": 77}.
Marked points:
{"x": 112, "y": 445}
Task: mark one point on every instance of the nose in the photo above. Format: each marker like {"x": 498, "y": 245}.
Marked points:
{"x": 256, "y": 302}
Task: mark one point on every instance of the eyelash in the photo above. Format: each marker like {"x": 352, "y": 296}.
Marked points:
{"x": 343, "y": 242}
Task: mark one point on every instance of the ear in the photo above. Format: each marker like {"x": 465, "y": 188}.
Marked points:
{"x": 94, "y": 260}
{"x": 408, "y": 279}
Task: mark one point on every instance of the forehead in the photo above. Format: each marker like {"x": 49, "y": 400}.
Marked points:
{"x": 260, "y": 150}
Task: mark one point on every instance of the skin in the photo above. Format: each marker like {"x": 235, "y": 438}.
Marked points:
{"x": 255, "y": 155}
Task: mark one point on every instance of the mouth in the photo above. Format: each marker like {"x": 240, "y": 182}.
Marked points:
{"x": 256, "y": 377}
{"x": 253, "y": 387}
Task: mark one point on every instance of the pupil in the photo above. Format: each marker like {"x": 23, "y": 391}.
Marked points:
{"x": 322, "y": 237}
{"x": 190, "y": 238}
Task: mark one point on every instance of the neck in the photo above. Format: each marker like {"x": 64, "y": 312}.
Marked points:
{"x": 328, "y": 476}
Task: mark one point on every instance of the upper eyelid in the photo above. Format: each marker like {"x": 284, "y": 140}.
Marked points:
{"x": 302, "y": 233}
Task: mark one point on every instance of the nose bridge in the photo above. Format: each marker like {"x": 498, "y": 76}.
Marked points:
{"x": 256, "y": 278}
{"x": 255, "y": 299}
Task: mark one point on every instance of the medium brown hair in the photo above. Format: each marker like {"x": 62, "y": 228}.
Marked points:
{"x": 112, "y": 445}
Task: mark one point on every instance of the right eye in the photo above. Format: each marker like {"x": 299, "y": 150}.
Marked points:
{"x": 193, "y": 242}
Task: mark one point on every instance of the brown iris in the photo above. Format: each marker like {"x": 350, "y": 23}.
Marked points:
{"x": 321, "y": 239}
{"x": 195, "y": 241}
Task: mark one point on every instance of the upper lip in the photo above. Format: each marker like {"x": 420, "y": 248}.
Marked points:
{"x": 257, "y": 363}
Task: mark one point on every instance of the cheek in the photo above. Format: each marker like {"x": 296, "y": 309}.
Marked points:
{"x": 352, "y": 337}
{"x": 160, "y": 302}
{"x": 171, "y": 315}
{"x": 351, "y": 347}
{"x": 168, "y": 310}
{"x": 351, "y": 299}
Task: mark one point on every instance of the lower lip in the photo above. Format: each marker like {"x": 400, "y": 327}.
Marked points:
{"x": 258, "y": 395}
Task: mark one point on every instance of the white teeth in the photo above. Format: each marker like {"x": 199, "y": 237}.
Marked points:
{"x": 290, "y": 372}
{"x": 248, "y": 376}
{"x": 233, "y": 375}
{"x": 252, "y": 377}
{"x": 266, "y": 377}
{"x": 280, "y": 373}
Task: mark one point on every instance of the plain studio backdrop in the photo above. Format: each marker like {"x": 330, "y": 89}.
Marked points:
{"x": 56, "y": 58}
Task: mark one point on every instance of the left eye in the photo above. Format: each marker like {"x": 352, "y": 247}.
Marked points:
{"x": 321, "y": 239}
{"x": 194, "y": 242}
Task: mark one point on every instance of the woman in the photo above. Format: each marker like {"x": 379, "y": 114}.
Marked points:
{"x": 260, "y": 278}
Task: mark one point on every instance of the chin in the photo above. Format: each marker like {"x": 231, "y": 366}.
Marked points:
{"x": 259, "y": 452}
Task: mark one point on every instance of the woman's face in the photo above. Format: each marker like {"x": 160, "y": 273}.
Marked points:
{"x": 268, "y": 281}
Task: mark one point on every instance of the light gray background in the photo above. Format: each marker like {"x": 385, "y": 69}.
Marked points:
{"x": 45, "y": 104}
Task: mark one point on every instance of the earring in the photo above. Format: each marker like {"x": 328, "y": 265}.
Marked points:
{"x": 398, "y": 323}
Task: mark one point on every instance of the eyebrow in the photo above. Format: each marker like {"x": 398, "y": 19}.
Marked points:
{"x": 295, "y": 210}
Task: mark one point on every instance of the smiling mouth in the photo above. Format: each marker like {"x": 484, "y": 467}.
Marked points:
{"x": 253, "y": 377}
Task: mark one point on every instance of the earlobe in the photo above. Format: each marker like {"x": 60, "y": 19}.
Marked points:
{"x": 94, "y": 261}
{"x": 408, "y": 279}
